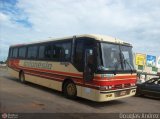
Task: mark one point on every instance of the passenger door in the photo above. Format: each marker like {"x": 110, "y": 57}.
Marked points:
{"x": 83, "y": 46}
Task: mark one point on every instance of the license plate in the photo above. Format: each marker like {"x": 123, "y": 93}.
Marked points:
{"x": 122, "y": 93}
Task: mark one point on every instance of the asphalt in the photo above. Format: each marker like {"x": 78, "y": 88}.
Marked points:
{"x": 16, "y": 97}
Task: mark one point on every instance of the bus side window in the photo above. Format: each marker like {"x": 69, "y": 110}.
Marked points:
{"x": 57, "y": 51}
{"x": 15, "y": 52}
{"x": 66, "y": 50}
{"x": 10, "y": 52}
{"x": 22, "y": 52}
{"x": 32, "y": 52}
{"x": 78, "y": 58}
{"x": 41, "y": 53}
{"x": 48, "y": 51}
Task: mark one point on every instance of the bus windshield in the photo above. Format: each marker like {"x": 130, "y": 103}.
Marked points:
{"x": 117, "y": 57}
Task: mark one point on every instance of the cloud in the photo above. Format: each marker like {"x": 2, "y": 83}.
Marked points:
{"x": 3, "y": 17}
{"x": 135, "y": 21}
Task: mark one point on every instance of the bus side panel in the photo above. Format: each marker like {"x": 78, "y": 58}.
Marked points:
{"x": 88, "y": 93}
{"x": 13, "y": 73}
{"x": 57, "y": 85}
{"x": 79, "y": 90}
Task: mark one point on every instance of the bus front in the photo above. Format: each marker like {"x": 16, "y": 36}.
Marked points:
{"x": 115, "y": 74}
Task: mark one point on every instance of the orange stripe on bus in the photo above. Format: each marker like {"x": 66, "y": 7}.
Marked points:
{"x": 51, "y": 71}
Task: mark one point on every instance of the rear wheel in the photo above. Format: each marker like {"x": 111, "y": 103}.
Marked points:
{"x": 70, "y": 90}
{"x": 22, "y": 77}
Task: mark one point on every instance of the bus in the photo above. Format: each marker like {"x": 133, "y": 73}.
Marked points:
{"x": 95, "y": 67}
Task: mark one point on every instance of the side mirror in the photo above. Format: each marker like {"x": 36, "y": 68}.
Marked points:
{"x": 88, "y": 65}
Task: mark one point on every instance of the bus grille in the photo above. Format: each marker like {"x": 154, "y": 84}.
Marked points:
{"x": 120, "y": 86}
{"x": 127, "y": 85}
{"x": 119, "y": 93}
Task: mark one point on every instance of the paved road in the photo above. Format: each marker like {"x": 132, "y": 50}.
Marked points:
{"x": 17, "y": 97}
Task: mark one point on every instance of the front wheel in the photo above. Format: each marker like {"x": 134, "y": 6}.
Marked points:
{"x": 138, "y": 92}
{"x": 22, "y": 77}
{"x": 70, "y": 90}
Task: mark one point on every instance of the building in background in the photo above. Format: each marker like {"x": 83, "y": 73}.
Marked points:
{"x": 158, "y": 62}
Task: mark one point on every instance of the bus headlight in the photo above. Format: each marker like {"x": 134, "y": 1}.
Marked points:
{"x": 103, "y": 88}
{"x": 107, "y": 75}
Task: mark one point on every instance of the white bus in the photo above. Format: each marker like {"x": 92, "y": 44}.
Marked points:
{"x": 95, "y": 67}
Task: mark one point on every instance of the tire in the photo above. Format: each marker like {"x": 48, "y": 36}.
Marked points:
{"x": 22, "y": 77}
{"x": 139, "y": 93}
{"x": 70, "y": 90}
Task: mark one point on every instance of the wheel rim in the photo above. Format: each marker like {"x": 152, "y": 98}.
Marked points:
{"x": 22, "y": 78}
{"x": 71, "y": 89}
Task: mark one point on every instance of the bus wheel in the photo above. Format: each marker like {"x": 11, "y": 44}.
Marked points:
{"x": 70, "y": 90}
{"x": 22, "y": 77}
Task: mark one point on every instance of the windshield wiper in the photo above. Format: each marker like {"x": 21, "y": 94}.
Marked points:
{"x": 125, "y": 61}
{"x": 102, "y": 68}
{"x": 118, "y": 63}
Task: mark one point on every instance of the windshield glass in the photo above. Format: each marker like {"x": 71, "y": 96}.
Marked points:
{"x": 127, "y": 57}
{"x": 117, "y": 57}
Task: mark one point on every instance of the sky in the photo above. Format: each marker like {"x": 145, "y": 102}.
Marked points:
{"x": 134, "y": 21}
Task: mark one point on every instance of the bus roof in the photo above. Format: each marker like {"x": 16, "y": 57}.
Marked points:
{"x": 107, "y": 38}
{"x": 95, "y": 36}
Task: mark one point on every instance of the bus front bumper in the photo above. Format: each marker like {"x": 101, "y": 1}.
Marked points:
{"x": 102, "y": 96}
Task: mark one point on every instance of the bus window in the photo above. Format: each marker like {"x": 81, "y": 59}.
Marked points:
{"x": 15, "y": 53}
{"x": 10, "y": 52}
{"x": 78, "y": 59}
{"x": 57, "y": 51}
{"x": 80, "y": 46}
{"x": 128, "y": 57}
{"x": 41, "y": 54}
{"x": 45, "y": 51}
{"x": 22, "y": 52}
{"x": 66, "y": 47}
{"x": 111, "y": 58}
{"x": 32, "y": 52}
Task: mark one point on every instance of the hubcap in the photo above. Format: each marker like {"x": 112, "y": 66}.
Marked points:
{"x": 70, "y": 89}
{"x": 22, "y": 77}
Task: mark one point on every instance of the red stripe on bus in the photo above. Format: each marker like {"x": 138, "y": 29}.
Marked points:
{"x": 107, "y": 83}
{"x": 16, "y": 63}
{"x": 73, "y": 74}
{"x": 61, "y": 80}
{"x": 52, "y": 75}
{"x": 115, "y": 77}
{"x": 93, "y": 84}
